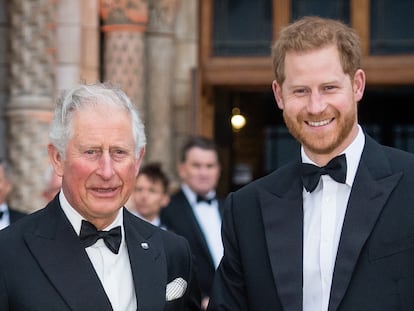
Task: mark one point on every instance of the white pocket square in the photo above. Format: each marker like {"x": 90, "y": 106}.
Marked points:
{"x": 175, "y": 289}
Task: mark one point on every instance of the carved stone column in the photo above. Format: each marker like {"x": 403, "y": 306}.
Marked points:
{"x": 160, "y": 62}
{"x": 4, "y": 72}
{"x": 31, "y": 103}
{"x": 124, "y": 24}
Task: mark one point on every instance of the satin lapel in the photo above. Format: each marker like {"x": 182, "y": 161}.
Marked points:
{"x": 189, "y": 219}
{"x": 367, "y": 199}
{"x": 283, "y": 224}
{"x": 148, "y": 263}
{"x": 65, "y": 262}
{"x": 221, "y": 207}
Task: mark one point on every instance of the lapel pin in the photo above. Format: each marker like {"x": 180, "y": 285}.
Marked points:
{"x": 144, "y": 245}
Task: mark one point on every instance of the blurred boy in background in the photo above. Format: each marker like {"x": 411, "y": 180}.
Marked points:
{"x": 151, "y": 193}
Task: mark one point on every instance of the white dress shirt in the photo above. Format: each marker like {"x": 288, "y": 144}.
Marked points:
{"x": 114, "y": 270}
{"x": 324, "y": 211}
{"x": 5, "y": 220}
{"x": 209, "y": 219}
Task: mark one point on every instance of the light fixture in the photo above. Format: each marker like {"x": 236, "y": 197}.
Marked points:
{"x": 238, "y": 121}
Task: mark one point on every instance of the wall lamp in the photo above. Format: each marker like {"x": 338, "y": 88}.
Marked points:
{"x": 238, "y": 121}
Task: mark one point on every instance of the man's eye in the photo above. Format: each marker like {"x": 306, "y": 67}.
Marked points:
{"x": 330, "y": 87}
{"x": 119, "y": 152}
{"x": 300, "y": 92}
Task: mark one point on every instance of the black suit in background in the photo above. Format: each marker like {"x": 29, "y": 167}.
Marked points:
{"x": 263, "y": 239}
{"x": 179, "y": 217}
{"x": 43, "y": 266}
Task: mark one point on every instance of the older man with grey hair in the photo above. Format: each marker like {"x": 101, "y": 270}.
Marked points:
{"x": 84, "y": 251}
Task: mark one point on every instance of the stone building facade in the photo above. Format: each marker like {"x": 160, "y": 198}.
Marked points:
{"x": 149, "y": 47}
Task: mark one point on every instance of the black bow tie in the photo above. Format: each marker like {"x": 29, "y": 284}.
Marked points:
{"x": 336, "y": 168}
{"x": 204, "y": 199}
{"x": 89, "y": 235}
{"x": 1, "y": 214}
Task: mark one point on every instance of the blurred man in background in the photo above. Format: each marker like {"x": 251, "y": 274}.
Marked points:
{"x": 7, "y": 214}
{"x": 195, "y": 212}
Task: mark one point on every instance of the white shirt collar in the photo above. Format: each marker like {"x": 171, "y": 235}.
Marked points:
{"x": 192, "y": 196}
{"x": 3, "y": 207}
{"x": 76, "y": 219}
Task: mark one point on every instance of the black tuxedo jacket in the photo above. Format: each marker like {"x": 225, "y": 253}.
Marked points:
{"x": 263, "y": 238}
{"x": 179, "y": 217}
{"x": 43, "y": 266}
{"x": 15, "y": 215}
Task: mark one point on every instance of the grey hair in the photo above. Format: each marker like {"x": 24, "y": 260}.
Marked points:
{"x": 84, "y": 95}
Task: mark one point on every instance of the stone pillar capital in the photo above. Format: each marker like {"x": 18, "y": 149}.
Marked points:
{"x": 162, "y": 15}
{"x": 124, "y": 15}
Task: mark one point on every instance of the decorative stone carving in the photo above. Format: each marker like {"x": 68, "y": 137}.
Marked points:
{"x": 31, "y": 86}
{"x": 162, "y": 15}
{"x": 124, "y": 15}
{"x": 32, "y": 47}
{"x": 124, "y": 22}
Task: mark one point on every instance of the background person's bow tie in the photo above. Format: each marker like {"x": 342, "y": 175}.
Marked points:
{"x": 89, "y": 235}
{"x": 336, "y": 168}
{"x": 204, "y": 199}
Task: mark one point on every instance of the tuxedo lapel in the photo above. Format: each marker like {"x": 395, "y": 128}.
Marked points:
{"x": 372, "y": 186}
{"x": 189, "y": 219}
{"x": 147, "y": 263}
{"x": 65, "y": 262}
{"x": 15, "y": 215}
{"x": 281, "y": 202}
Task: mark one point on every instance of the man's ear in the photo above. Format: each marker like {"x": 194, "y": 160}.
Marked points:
{"x": 55, "y": 159}
{"x": 139, "y": 161}
{"x": 277, "y": 93}
{"x": 359, "y": 84}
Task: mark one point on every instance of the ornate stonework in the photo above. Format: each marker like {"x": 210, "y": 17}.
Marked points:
{"x": 124, "y": 22}
{"x": 29, "y": 110}
{"x": 162, "y": 14}
{"x": 124, "y": 59}
{"x": 27, "y": 135}
{"x": 124, "y": 15}
{"x": 32, "y": 47}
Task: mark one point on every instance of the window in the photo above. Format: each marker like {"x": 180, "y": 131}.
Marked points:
{"x": 242, "y": 27}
